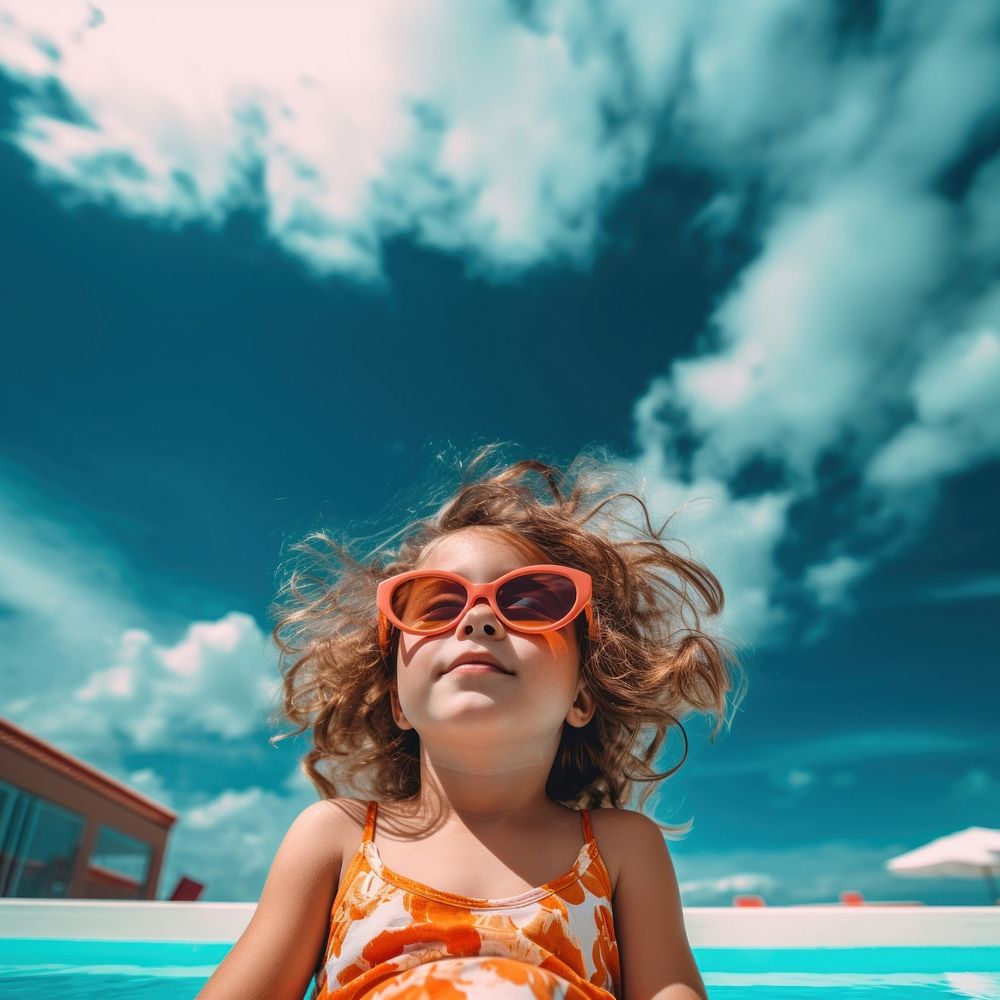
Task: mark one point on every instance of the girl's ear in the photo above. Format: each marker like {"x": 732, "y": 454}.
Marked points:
{"x": 397, "y": 711}
{"x": 583, "y": 708}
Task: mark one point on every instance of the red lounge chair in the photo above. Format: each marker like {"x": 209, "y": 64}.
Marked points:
{"x": 186, "y": 890}
{"x": 748, "y": 901}
{"x": 852, "y": 898}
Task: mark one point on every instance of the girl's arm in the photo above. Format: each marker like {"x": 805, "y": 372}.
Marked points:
{"x": 279, "y": 952}
{"x": 656, "y": 959}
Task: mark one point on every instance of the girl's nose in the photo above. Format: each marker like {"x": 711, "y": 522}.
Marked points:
{"x": 487, "y": 628}
{"x": 480, "y": 618}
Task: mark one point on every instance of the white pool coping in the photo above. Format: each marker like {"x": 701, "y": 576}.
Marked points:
{"x": 708, "y": 927}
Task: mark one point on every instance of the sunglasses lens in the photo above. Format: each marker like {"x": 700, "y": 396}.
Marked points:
{"x": 428, "y": 602}
{"x": 536, "y": 600}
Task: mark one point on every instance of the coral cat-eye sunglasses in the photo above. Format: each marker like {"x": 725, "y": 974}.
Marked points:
{"x": 530, "y": 599}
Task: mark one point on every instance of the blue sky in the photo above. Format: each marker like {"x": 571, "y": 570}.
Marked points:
{"x": 259, "y": 281}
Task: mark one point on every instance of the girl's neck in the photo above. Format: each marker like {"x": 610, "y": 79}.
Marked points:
{"x": 481, "y": 797}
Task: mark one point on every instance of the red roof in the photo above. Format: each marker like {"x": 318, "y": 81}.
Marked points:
{"x": 54, "y": 759}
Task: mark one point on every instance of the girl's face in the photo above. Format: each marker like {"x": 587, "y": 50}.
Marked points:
{"x": 540, "y": 686}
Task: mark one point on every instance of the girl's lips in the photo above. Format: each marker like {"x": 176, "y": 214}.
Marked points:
{"x": 476, "y": 668}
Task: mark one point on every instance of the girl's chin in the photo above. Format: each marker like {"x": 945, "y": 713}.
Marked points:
{"x": 477, "y": 703}
{"x": 473, "y": 711}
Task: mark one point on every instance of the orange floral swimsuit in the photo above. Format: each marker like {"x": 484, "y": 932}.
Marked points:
{"x": 392, "y": 938}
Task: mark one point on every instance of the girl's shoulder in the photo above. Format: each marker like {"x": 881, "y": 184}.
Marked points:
{"x": 336, "y": 824}
{"x": 614, "y": 829}
{"x": 338, "y": 810}
{"x": 619, "y": 823}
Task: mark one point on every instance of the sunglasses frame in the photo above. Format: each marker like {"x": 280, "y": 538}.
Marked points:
{"x": 386, "y": 616}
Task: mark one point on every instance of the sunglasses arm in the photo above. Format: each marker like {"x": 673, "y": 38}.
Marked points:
{"x": 383, "y": 635}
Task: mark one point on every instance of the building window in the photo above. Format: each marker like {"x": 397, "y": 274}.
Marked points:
{"x": 119, "y": 862}
{"x": 38, "y": 845}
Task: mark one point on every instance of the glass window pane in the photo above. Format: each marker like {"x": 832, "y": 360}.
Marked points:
{"x": 6, "y": 801}
{"x": 121, "y": 854}
{"x": 51, "y": 840}
{"x": 8, "y": 832}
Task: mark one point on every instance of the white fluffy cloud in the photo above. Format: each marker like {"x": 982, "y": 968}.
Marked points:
{"x": 806, "y": 330}
{"x": 220, "y": 678}
{"x": 219, "y": 681}
{"x": 831, "y": 580}
{"x": 457, "y": 123}
{"x": 111, "y": 686}
{"x": 956, "y": 402}
{"x": 735, "y": 537}
{"x": 866, "y": 325}
{"x": 811, "y": 873}
{"x": 738, "y": 883}
{"x": 248, "y": 825}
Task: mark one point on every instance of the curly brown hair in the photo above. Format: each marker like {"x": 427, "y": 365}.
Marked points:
{"x": 649, "y": 663}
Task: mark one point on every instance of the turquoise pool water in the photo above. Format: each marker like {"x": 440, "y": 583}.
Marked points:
{"x": 39, "y": 968}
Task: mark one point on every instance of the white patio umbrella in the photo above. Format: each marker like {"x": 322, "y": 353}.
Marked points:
{"x": 972, "y": 853}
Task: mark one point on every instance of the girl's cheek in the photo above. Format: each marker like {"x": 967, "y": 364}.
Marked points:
{"x": 560, "y": 644}
{"x": 409, "y": 650}
{"x": 556, "y": 642}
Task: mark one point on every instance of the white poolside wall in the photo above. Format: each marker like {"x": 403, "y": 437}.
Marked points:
{"x": 708, "y": 927}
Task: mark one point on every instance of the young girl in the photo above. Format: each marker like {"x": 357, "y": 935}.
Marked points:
{"x": 491, "y": 683}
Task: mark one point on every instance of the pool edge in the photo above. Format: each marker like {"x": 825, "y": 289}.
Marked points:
{"x": 708, "y": 927}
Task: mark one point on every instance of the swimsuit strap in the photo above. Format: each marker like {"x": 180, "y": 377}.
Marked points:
{"x": 370, "y": 821}
{"x": 587, "y": 829}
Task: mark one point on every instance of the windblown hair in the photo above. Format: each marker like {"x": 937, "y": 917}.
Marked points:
{"x": 649, "y": 663}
